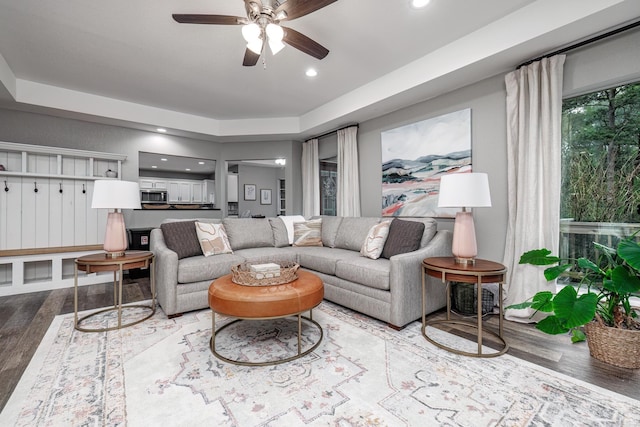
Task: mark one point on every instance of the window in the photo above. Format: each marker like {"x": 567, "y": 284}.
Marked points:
{"x": 328, "y": 186}
{"x": 600, "y": 197}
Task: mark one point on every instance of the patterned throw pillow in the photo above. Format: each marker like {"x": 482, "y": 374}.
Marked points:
{"x": 181, "y": 237}
{"x": 307, "y": 233}
{"x": 404, "y": 236}
{"x": 213, "y": 239}
{"x": 374, "y": 243}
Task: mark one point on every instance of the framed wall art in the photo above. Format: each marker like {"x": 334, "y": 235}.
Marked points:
{"x": 415, "y": 156}
{"x": 265, "y": 196}
{"x": 250, "y": 192}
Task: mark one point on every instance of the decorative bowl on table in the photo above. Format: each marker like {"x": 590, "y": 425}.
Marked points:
{"x": 264, "y": 274}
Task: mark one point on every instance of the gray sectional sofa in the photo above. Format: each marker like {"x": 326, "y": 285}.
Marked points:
{"x": 386, "y": 289}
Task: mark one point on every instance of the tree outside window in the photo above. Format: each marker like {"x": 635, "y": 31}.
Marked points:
{"x": 600, "y": 198}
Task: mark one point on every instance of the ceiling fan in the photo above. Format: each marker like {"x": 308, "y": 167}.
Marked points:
{"x": 263, "y": 24}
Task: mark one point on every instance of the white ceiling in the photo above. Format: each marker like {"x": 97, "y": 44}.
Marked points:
{"x": 127, "y": 62}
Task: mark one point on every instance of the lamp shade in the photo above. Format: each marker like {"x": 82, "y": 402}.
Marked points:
{"x": 464, "y": 190}
{"x": 251, "y": 32}
{"x": 115, "y": 194}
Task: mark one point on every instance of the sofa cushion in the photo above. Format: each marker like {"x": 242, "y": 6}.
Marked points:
{"x": 366, "y": 271}
{"x": 353, "y": 231}
{"x": 248, "y": 232}
{"x": 213, "y": 239}
{"x": 263, "y": 255}
{"x": 181, "y": 237}
{"x": 374, "y": 242}
{"x": 322, "y": 259}
{"x": 280, "y": 234}
{"x": 307, "y": 233}
{"x": 288, "y": 222}
{"x": 404, "y": 236}
{"x": 330, "y": 225}
{"x": 199, "y": 268}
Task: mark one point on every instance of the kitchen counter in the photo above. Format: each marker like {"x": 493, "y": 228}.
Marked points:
{"x": 141, "y": 218}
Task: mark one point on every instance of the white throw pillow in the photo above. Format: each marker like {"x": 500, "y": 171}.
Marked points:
{"x": 289, "y": 220}
{"x": 213, "y": 239}
{"x": 308, "y": 233}
{"x": 374, "y": 243}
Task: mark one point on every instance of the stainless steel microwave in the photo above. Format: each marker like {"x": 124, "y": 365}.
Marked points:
{"x": 153, "y": 195}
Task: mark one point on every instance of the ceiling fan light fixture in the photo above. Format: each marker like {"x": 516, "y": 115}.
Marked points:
{"x": 251, "y": 32}
{"x": 275, "y": 45}
{"x": 255, "y": 46}
{"x": 275, "y": 32}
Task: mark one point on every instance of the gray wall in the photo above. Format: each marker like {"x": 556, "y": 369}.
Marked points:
{"x": 488, "y": 144}
{"x": 263, "y": 178}
{"x": 613, "y": 61}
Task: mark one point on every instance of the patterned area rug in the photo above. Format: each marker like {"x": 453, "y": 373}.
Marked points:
{"x": 161, "y": 372}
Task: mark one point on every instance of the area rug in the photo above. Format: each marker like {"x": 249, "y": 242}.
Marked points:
{"x": 162, "y": 372}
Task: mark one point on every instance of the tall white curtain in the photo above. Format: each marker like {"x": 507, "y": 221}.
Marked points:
{"x": 310, "y": 179}
{"x": 348, "y": 194}
{"x": 534, "y": 111}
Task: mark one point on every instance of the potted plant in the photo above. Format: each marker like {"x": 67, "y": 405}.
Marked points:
{"x": 600, "y": 303}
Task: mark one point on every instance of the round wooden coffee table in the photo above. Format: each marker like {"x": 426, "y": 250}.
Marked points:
{"x": 265, "y": 302}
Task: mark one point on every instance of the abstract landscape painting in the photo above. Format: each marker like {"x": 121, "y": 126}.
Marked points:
{"x": 415, "y": 156}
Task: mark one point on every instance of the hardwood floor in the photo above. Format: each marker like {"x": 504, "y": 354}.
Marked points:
{"x": 24, "y": 319}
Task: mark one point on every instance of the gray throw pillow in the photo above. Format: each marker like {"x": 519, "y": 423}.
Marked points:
{"x": 404, "y": 236}
{"x": 280, "y": 234}
{"x": 181, "y": 237}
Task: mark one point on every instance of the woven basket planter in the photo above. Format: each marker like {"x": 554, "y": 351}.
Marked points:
{"x": 618, "y": 347}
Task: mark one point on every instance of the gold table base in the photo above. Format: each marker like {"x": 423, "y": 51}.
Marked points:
{"x": 481, "y": 271}
{"x": 102, "y": 262}
{"x": 212, "y": 341}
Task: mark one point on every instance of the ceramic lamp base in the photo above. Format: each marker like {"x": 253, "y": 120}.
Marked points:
{"x": 115, "y": 237}
{"x": 464, "y": 247}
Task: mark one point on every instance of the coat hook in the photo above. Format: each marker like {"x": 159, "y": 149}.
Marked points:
{"x": 5, "y": 186}
{"x": 35, "y": 187}
{"x": 60, "y": 188}
{"x": 84, "y": 190}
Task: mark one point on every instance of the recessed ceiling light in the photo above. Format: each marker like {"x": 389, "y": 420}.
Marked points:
{"x": 201, "y": 163}
{"x": 163, "y": 159}
{"x": 154, "y": 167}
{"x": 161, "y": 130}
{"x": 187, "y": 169}
{"x": 419, "y": 3}
{"x": 311, "y": 72}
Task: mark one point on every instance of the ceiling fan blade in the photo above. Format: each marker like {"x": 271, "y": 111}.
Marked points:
{"x": 209, "y": 19}
{"x": 297, "y": 8}
{"x": 250, "y": 58}
{"x": 304, "y": 43}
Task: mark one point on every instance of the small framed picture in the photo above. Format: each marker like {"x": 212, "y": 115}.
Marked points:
{"x": 249, "y": 191}
{"x": 265, "y": 196}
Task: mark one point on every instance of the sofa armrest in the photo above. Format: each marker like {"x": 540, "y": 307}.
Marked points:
{"x": 166, "y": 270}
{"x": 406, "y": 281}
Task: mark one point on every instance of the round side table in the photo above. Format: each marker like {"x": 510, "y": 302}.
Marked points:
{"x": 101, "y": 262}
{"x": 482, "y": 271}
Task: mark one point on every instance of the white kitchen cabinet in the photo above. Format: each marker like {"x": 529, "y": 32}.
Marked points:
{"x": 196, "y": 192}
{"x": 209, "y": 191}
{"x": 179, "y": 191}
{"x": 232, "y": 188}
{"x": 146, "y": 183}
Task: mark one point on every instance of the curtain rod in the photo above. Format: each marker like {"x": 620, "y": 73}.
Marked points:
{"x": 582, "y": 43}
{"x": 333, "y": 131}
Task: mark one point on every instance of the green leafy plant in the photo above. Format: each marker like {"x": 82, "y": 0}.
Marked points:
{"x": 610, "y": 282}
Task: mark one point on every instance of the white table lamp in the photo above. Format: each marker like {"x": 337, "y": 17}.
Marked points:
{"x": 464, "y": 190}
{"x": 115, "y": 194}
